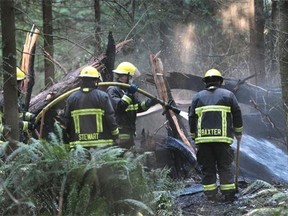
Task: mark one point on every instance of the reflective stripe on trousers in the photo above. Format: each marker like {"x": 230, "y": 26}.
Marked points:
{"x": 210, "y": 187}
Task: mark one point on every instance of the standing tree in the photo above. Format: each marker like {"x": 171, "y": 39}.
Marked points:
{"x": 273, "y": 36}
{"x": 283, "y": 55}
{"x": 97, "y": 24}
{"x": 9, "y": 70}
{"x": 48, "y": 41}
{"x": 257, "y": 48}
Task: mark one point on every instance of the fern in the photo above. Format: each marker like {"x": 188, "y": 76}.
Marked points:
{"x": 83, "y": 202}
{"x": 45, "y": 179}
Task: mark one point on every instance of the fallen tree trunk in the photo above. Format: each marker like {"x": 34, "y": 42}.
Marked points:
{"x": 243, "y": 90}
{"x": 70, "y": 81}
{"x": 265, "y": 116}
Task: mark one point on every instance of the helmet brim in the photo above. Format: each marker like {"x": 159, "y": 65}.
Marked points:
{"x": 136, "y": 74}
{"x": 212, "y": 79}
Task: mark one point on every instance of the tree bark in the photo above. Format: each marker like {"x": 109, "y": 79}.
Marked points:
{"x": 9, "y": 68}
{"x": 257, "y": 48}
{"x": 27, "y": 64}
{"x": 109, "y": 61}
{"x": 177, "y": 129}
{"x": 273, "y": 35}
{"x": 69, "y": 82}
{"x": 283, "y": 55}
{"x": 48, "y": 41}
{"x": 97, "y": 12}
{"x": 266, "y": 118}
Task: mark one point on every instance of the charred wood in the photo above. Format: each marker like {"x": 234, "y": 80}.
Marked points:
{"x": 265, "y": 116}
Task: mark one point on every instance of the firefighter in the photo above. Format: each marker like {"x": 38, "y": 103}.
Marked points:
{"x": 214, "y": 119}
{"x": 26, "y": 119}
{"x": 89, "y": 115}
{"x": 126, "y": 103}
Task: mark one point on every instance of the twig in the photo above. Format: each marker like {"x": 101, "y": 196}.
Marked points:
{"x": 161, "y": 127}
{"x": 241, "y": 82}
{"x": 54, "y": 61}
{"x": 267, "y": 117}
{"x": 61, "y": 199}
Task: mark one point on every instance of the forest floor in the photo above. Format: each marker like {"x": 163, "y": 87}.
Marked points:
{"x": 254, "y": 199}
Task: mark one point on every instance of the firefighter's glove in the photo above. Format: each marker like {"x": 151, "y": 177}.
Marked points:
{"x": 132, "y": 89}
{"x": 29, "y": 117}
{"x": 151, "y": 102}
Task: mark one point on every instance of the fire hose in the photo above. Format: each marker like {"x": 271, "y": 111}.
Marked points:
{"x": 123, "y": 85}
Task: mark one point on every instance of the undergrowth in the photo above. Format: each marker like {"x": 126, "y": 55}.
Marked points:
{"x": 43, "y": 178}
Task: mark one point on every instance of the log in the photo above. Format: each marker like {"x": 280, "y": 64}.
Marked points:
{"x": 244, "y": 91}
{"x": 70, "y": 81}
{"x": 266, "y": 115}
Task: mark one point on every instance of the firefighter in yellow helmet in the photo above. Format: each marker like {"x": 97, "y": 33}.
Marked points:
{"x": 214, "y": 119}
{"x": 89, "y": 115}
{"x": 26, "y": 119}
{"x": 20, "y": 74}
{"x": 126, "y": 103}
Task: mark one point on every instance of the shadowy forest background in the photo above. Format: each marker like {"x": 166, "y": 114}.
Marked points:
{"x": 240, "y": 38}
{"x": 245, "y": 39}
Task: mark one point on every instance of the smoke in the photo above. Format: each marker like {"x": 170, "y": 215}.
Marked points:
{"x": 236, "y": 16}
{"x": 184, "y": 37}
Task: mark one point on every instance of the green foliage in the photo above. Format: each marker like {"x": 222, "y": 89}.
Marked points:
{"x": 42, "y": 178}
{"x": 74, "y": 37}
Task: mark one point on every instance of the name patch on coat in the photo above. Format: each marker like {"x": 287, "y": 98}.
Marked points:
{"x": 211, "y": 132}
{"x": 89, "y": 136}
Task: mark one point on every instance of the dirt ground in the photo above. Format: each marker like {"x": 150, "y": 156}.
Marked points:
{"x": 197, "y": 204}
{"x": 257, "y": 199}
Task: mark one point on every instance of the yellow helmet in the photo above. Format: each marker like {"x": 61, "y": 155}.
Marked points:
{"x": 126, "y": 68}
{"x": 20, "y": 74}
{"x": 90, "y": 71}
{"x": 212, "y": 73}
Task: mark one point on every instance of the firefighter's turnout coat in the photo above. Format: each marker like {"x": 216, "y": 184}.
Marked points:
{"x": 126, "y": 108}
{"x": 214, "y": 118}
{"x": 26, "y": 119}
{"x": 90, "y": 118}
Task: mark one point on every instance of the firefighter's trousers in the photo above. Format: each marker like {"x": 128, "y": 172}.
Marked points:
{"x": 216, "y": 158}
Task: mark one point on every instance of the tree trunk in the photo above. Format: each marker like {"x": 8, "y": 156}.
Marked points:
{"x": 27, "y": 64}
{"x": 109, "y": 61}
{"x": 273, "y": 35}
{"x": 283, "y": 55}
{"x": 257, "y": 48}
{"x": 48, "y": 42}
{"x": 70, "y": 81}
{"x": 98, "y": 27}
{"x": 9, "y": 68}
{"x": 176, "y": 127}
